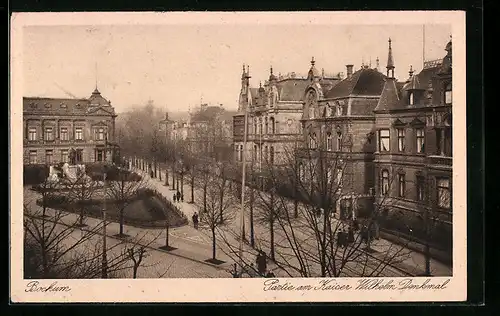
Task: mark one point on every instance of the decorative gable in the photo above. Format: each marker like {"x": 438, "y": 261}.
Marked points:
{"x": 417, "y": 123}
{"x": 99, "y": 111}
{"x": 398, "y": 123}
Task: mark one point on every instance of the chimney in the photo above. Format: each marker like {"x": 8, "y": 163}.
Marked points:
{"x": 349, "y": 70}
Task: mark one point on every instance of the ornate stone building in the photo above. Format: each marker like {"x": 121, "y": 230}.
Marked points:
{"x": 53, "y": 127}
{"x": 413, "y": 157}
{"x": 274, "y": 114}
{"x": 338, "y": 124}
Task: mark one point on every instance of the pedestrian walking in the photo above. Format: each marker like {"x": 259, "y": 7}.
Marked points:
{"x": 178, "y": 196}
{"x": 355, "y": 224}
{"x": 350, "y": 235}
{"x": 175, "y": 197}
{"x": 195, "y": 220}
{"x": 270, "y": 274}
{"x": 182, "y": 197}
{"x": 364, "y": 234}
{"x": 261, "y": 262}
{"x": 340, "y": 237}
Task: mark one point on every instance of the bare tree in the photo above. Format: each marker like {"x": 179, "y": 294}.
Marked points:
{"x": 213, "y": 207}
{"x": 122, "y": 192}
{"x": 309, "y": 245}
{"x": 81, "y": 191}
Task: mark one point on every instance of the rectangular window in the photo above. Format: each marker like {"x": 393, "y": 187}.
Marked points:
{"x": 339, "y": 142}
{"x": 64, "y": 155}
{"x": 49, "y": 155}
{"x": 447, "y": 97}
{"x": 79, "y": 155}
{"x": 78, "y": 133}
{"x": 402, "y": 185}
{"x": 401, "y": 139}
{"x": 385, "y": 182}
{"x": 329, "y": 142}
{"x": 64, "y": 133}
{"x": 32, "y": 134}
{"x": 241, "y": 153}
{"x": 32, "y": 157}
{"x": 271, "y": 155}
{"x": 443, "y": 193}
{"x": 384, "y": 140}
{"x": 420, "y": 140}
{"x": 49, "y": 135}
{"x": 420, "y": 188}
{"x": 99, "y": 134}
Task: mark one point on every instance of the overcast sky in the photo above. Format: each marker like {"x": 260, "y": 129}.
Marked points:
{"x": 178, "y": 65}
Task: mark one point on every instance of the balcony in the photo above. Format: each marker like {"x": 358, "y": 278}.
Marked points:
{"x": 440, "y": 160}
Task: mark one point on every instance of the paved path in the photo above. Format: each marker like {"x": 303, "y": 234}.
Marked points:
{"x": 187, "y": 261}
{"x": 412, "y": 261}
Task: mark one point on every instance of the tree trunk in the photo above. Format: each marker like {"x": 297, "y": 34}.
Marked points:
{"x": 323, "y": 244}
{"x": 136, "y": 267}
{"x": 173, "y": 178}
{"x": 271, "y": 226}
{"x": 167, "y": 226}
{"x": 296, "y": 207}
{"x": 192, "y": 187}
{"x": 182, "y": 184}
{"x": 205, "y": 198}
{"x": 121, "y": 220}
{"x": 213, "y": 243}
{"x": 252, "y": 236}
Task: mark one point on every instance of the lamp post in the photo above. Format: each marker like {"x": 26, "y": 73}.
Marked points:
{"x": 104, "y": 237}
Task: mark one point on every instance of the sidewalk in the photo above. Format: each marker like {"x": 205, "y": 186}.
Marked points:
{"x": 192, "y": 250}
{"x": 414, "y": 262}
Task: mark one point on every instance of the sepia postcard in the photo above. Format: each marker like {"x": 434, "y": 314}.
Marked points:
{"x": 238, "y": 157}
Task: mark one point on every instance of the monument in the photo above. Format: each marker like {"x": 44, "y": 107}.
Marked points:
{"x": 72, "y": 173}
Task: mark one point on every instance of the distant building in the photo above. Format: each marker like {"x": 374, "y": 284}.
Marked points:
{"x": 206, "y": 133}
{"x": 53, "y": 127}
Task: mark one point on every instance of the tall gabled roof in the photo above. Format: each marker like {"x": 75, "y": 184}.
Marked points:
{"x": 292, "y": 89}
{"x": 365, "y": 81}
{"x": 390, "y": 97}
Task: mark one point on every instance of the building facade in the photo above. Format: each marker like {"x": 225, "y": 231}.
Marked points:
{"x": 413, "y": 157}
{"x": 338, "y": 147}
{"x": 274, "y": 113}
{"x": 54, "y": 128}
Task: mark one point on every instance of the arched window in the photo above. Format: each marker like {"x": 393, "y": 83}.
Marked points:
{"x": 385, "y": 182}
{"x": 310, "y": 141}
{"x": 329, "y": 141}
{"x": 448, "y": 93}
{"x": 260, "y": 126}
{"x": 411, "y": 100}
{"x": 273, "y": 126}
{"x": 267, "y": 126}
{"x": 271, "y": 155}
{"x": 301, "y": 172}
{"x": 339, "y": 109}
{"x": 255, "y": 126}
{"x": 339, "y": 141}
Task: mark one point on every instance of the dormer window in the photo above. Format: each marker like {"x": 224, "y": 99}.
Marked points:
{"x": 448, "y": 93}
{"x": 33, "y": 105}
{"x": 63, "y": 105}
{"x": 48, "y": 105}
{"x": 339, "y": 110}
{"x": 78, "y": 105}
{"x": 411, "y": 100}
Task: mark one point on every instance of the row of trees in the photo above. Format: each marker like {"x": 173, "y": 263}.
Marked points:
{"x": 297, "y": 208}
{"x": 60, "y": 245}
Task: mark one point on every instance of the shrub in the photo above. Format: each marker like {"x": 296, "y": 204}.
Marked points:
{"x": 146, "y": 192}
{"x": 35, "y": 174}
